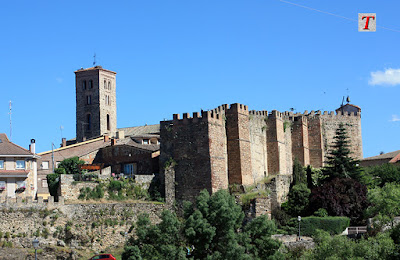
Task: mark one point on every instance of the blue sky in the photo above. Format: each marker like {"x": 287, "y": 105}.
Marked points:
{"x": 183, "y": 56}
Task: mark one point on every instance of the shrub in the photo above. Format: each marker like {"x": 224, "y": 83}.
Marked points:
{"x": 333, "y": 225}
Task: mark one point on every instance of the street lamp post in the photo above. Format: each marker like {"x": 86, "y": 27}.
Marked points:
{"x": 35, "y": 244}
{"x": 299, "y": 219}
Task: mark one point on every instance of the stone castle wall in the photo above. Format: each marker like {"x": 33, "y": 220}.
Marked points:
{"x": 232, "y": 145}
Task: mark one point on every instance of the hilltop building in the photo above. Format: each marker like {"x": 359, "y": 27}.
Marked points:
{"x": 18, "y": 170}
{"x": 232, "y": 145}
{"x": 210, "y": 150}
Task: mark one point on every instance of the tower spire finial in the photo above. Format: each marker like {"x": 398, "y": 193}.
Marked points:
{"x": 94, "y": 59}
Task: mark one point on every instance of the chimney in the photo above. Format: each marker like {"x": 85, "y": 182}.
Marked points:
{"x": 63, "y": 142}
{"x": 32, "y": 146}
{"x": 120, "y": 134}
{"x": 106, "y": 138}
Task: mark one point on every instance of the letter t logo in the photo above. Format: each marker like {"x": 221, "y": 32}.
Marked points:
{"x": 367, "y": 22}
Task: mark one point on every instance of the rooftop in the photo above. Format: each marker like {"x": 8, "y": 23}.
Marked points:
{"x": 9, "y": 148}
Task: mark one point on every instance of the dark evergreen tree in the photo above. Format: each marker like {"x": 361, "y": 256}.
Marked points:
{"x": 339, "y": 162}
{"x": 299, "y": 175}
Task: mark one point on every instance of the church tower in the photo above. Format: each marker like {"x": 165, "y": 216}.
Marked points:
{"x": 96, "y": 103}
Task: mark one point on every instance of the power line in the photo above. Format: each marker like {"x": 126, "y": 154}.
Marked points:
{"x": 332, "y": 14}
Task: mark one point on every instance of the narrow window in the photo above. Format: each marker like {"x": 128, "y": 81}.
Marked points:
{"x": 44, "y": 184}
{"x": 20, "y": 164}
{"x": 45, "y": 165}
{"x": 1, "y": 164}
{"x": 88, "y": 100}
{"x": 84, "y": 84}
{"x": 105, "y": 84}
{"x": 109, "y": 85}
{"x": 88, "y": 122}
{"x": 108, "y": 123}
{"x": 90, "y": 83}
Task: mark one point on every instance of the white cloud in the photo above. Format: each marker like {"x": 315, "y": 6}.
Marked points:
{"x": 395, "y": 118}
{"x": 388, "y": 77}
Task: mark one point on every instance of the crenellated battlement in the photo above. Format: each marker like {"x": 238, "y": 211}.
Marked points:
{"x": 209, "y": 116}
{"x": 262, "y": 113}
{"x": 238, "y": 108}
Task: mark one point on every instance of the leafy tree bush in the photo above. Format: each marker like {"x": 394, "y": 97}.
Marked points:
{"x": 321, "y": 213}
{"x": 162, "y": 241}
{"x": 53, "y": 183}
{"x": 339, "y": 162}
{"x": 341, "y": 197}
{"x": 298, "y": 200}
{"x": 385, "y": 201}
{"x": 299, "y": 174}
{"x": 70, "y": 166}
{"x": 381, "y": 174}
{"x": 340, "y": 247}
{"x": 212, "y": 227}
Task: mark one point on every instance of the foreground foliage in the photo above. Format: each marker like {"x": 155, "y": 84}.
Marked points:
{"x": 340, "y": 247}
{"x": 212, "y": 228}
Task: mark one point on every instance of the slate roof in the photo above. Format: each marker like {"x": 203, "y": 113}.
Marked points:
{"x": 141, "y": 130}
{"x": 9, "y": 148}
{"x": 390, "y": 155}
{"x": 130, "y": 142}
{"x": 79, "y": 149}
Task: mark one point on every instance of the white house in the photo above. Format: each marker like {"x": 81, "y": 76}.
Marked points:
{"x": 18, "y": 169}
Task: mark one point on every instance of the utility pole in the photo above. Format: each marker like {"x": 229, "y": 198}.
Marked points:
{"x": 52, "y": 155}
{"x": 10, "y": 123}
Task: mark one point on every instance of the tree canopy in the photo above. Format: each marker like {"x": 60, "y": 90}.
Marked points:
{"x": 339, "y": 162}
{"x": 212, "y": 228}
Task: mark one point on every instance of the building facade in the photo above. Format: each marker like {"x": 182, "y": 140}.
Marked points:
{"x": 232, "y": 145}
{"x": 18, "y": 169}
{"x": 96, "y": 103}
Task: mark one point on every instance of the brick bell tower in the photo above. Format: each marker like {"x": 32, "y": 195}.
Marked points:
{"x": 96, "y": 103}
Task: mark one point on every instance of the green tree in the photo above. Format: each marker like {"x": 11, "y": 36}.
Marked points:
{"x": 339, "y": 162}
{"x": 299, "y": 174}
{"x": 340, "y": 247}
{"x": 70, "y": 166}
{"x": 385, "y": 201}
{"x": 161, "y": 241}
{"x": 298, "y": 200}
{"x": 212, "y": 227}
{"x": 381, "y": 174}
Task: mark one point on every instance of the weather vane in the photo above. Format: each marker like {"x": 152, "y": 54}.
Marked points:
{"x": 94, "y": 59}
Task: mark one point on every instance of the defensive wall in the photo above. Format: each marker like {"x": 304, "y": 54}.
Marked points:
{"x": 232, "y": 145}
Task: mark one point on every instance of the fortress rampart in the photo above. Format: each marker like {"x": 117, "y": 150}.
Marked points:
{"x": 234, "y": 145}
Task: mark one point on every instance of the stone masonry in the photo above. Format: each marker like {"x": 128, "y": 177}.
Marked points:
{"x": 96, "y": 109}
{"x": 232, "y": 145}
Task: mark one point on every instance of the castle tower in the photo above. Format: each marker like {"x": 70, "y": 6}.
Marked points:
{"x": 96, "y": 103}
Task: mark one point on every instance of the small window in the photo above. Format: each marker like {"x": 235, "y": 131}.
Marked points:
{"x": 109, "y": 85}
{"x": 145, "y": 141}
{"x": 2, "y": 185}
{"x": 1, "y": 164}
{"x": 45, "y": 165}
{"x": 20, "y": 164}
{"x": 105, "y": 84}
{"x": 84, "y": 84}
{"x": 88, "y": 122}
{"x": 108, "y": 123}
{"x": 88, "y": 100}
{"x": 57, "y": 163}
{"x": 90, "y": 83}
{"x": 44, "y": 184}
